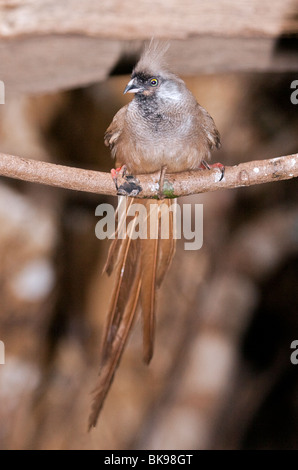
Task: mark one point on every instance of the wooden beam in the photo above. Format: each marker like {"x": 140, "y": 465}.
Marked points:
{"x": 115, "y": 19}
{"x": 51, "y": 45}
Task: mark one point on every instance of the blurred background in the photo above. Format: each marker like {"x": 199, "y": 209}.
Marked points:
{"x": 221, "y": 376}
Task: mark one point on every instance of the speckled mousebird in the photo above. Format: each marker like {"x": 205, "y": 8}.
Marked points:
{"x": 163, "y": 127}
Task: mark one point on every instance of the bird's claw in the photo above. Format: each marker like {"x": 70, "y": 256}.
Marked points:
{"x": 205, "y": 165}
{"x": 130, "y": 186}
{"x": 129, "y": 189}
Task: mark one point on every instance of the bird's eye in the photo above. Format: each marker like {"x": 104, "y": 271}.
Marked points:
{"x": 153, "y": 81}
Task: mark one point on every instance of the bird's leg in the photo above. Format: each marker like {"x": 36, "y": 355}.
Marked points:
{"x": 161, "y": 181}
{"x": 204, "y": 165}
{"x": 115, "y": 172}
{"x": 130, "y": 186}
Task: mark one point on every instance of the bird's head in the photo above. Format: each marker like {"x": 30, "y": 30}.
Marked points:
{"x": 151, "y": 76}
{"x": 143, "y": 83}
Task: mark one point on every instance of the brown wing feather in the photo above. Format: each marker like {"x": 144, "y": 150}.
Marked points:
{"x": 209, "y": 127}
{"x": 115, "y": 129}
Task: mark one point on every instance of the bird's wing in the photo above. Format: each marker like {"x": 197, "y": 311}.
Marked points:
{"x": 115, "y": 129}
{"x": 209, "y": 127}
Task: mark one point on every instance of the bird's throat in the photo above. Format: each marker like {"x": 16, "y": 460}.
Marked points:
{"x": 150, "y": 110}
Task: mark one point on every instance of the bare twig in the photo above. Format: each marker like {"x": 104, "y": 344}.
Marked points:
{"x": 178, "y": 184}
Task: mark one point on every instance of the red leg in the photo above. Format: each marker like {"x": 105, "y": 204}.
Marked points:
{"x": 115, "y": 172}
{"x": 204, "y": 165}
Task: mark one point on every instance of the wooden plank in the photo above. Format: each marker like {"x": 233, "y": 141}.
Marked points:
{"x": 51, "y": 45}
{"x": 115, "y": 19}
{"x": 51, "y": 63}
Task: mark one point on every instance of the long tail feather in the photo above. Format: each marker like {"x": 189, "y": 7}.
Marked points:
{"x": 126, "y": 264}
{"x": 113, "y": 255}
{"x": 109, "y": 367}
{"x": 149, "y": 261}
{"x": 167, "y": 246}
{"x": 139, "y": 267}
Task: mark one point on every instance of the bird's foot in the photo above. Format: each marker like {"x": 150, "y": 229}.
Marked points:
{"x": 204, "y": 165}
{"x": 161, "y": 182}
{"x": 130, "y": 186}
{"x": 115, "y": 172}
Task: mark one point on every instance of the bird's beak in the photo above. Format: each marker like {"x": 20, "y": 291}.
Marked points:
{"x": 131, "y": 87}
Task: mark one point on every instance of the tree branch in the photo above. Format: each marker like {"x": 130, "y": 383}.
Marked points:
{"x": 178, "y": 184}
